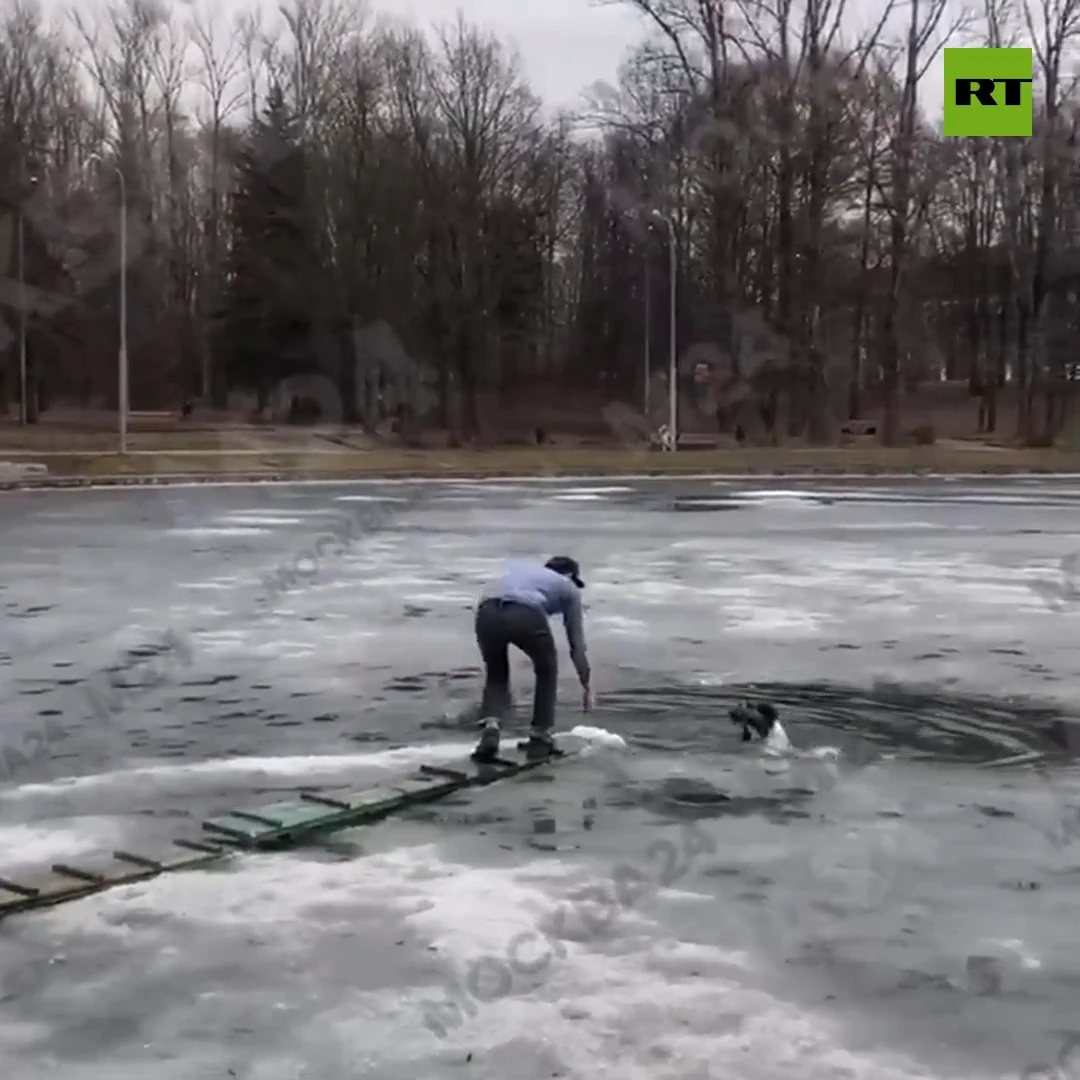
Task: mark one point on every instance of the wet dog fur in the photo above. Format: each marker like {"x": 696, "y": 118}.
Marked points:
{"x": 755, "y": 718}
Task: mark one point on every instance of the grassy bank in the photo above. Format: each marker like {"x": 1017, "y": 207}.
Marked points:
{"x": 554, "y": 462}
{"x": 22, "y": 442}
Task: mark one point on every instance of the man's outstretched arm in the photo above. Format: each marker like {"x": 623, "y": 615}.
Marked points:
{"x": 574, "y": 621}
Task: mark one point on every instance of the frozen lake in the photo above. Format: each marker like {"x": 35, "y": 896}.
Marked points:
{"x": 906, "y": 911}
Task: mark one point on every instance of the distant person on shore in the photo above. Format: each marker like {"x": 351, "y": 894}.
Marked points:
{"x": 514, "y": 610}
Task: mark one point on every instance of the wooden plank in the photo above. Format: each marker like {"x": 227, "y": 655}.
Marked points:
{"x": 236, "y": 828}
{"x": 376, "y": 801}
{"x": 291, "y": 815}
{"x": 509, "y": 764}
{"x": 107, "y": 872}
{"x": 264, "y": 827}
{"x": 438, "y": 770}
{"x": 17, "y": 887}
{"x": 90, "y": 877}
{"x": 64, "y": 882}
{"x": 296, "y": 821}
{"x": 196, "y": 857}
{"x": 359, "y": 807}
{"x": 257, "y": 818}
{"x": 200, "y": 845}
{"x": 426, "y": 788}
{"x": 489, "y": 774}
{"x": 138, "y": 860}
{"x": 356, "y": 804}
{"x": 270, "y": 823}
{"x": 44, "y": 888}
{"x": 11, "y": 903}
{"x": 249, "y": 835}
{"x": 323, "y": 800}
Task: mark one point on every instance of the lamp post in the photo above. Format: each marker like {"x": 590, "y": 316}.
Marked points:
{"x": 24, "y": 180}
{"x": 648, "y": 329}
{"x": 673, "y": 363}
{"x": 22, "y": 318}
{"x": 122, "y": 358}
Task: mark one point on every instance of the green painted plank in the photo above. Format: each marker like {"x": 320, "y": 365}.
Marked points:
{"x": 305, "y": 815}
{"x": 285, "y": 816}
{"x": 307, "y": 820}
{"x": 315, "y": 813}
{"x": 267, "y": 826}
{"x": 361, "y": 807}
{"x": 368, "y": 799}
{"x": 427, "y": 788}
{"x": 319, "y": 799}
{"x": 338, "y": 804}
{"x": 257, "y": 818}
{"x": 236, "y": 828}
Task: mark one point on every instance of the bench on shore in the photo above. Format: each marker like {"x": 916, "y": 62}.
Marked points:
{"x": 698, "y": 442}
{"x": 857, "y": 429}
{"x": 14, "y": 471}
{"x": 685, "y": 442}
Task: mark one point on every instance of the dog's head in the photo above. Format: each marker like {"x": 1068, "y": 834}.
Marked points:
{"x": 754, "y": 717}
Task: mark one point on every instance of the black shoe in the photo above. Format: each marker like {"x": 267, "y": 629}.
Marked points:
{"x": 487, "y": 749}
{"x": 540, "y": 748}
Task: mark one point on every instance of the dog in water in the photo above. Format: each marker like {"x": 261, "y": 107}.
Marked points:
{"x": 762, "y": 719}
{"x": 755, "y": 718}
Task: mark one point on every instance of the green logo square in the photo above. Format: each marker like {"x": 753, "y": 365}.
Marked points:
{"x": 988, "y": 92}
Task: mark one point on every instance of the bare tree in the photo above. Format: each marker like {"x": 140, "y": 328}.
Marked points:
{"x": 923, "y": 40}
{"x": 220, "y": 64}
{"x": 1055, "y": 24}
{"x": 823, "y": 226}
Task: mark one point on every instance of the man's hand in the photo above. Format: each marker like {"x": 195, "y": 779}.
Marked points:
{"x": 587, "y": 700}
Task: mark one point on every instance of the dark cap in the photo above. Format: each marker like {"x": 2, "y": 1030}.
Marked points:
{"x": 563, "y": 564}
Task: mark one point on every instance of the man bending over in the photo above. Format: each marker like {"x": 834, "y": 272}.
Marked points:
{"x": 514, "y": 610}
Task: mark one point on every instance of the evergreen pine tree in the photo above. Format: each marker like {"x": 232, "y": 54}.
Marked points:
{"x": 267, "y": 321}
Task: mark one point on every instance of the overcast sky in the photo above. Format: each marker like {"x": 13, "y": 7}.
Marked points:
{"x": 566, "y": 44}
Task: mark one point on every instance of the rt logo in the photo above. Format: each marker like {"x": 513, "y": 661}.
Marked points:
{"x": 988, "y": 92}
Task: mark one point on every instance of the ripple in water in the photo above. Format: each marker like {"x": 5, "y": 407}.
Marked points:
{"x": 914, "y": 722}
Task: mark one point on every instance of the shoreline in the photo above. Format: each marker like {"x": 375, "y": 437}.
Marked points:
{"x": 79, "y": 483}
{"x": 68, "y": 470}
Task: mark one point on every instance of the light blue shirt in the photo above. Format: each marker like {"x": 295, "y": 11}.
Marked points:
{"x": 534, "y": 585}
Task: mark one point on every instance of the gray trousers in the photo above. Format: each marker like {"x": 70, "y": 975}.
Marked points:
{"x": 500, "y": 624}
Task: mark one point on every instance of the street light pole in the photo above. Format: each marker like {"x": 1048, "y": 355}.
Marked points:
{"x": 24, "y": 415}
{"x": 648, "y": 334}
{"x": 22, "y": 319}
{"x": 122, "y": 358}
{"x": 673, "y": 359}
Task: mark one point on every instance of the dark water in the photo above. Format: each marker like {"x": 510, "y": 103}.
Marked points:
{"x": 905, "y": 908}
